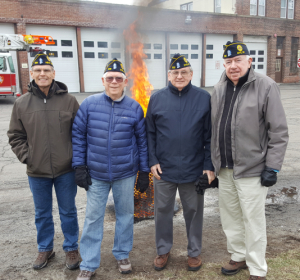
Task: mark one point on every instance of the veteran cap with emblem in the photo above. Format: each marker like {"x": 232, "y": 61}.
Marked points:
{"x": 235, "y": 48}
{"x": 178, "y": 61}
{"x": 114, "y": 66}
{"x": 41, "y": 59}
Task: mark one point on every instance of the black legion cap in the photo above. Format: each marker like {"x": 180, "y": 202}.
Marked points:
{"x": 41, "y": 59}
{"x": 114, "y": 66}
{"x": 178, "y": 61}
{"x": 235, "y": 48}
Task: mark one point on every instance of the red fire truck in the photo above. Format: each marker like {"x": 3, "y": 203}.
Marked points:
{"x": 16, "y": 42}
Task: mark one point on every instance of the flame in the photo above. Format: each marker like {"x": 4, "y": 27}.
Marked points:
{"x": 141, "y": 91}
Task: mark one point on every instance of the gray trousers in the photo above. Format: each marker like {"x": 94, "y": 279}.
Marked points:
{"x": 192, "y": 203}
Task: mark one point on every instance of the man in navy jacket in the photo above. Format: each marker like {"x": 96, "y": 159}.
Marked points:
{"x": 109, "y": 148}
{"x": 179, "y": 131}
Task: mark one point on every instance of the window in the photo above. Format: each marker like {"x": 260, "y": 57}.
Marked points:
{"x": 171, "y": 55}
{"x": 184, "y": 47}
{"x": 257, "y": 7}
{"x": 253, "y": 66}
{"x": 294, "y": 55}
{"x": 115, "y": 45}
{"x": 88, "y": 44}
{"x": 194, "y": 47}
{"x": 187, "y": 6}
{"x": 102, "y": 44}
{"x": 115, "y": 55}
{"x": 287, "y": 9}
{"x": 261, "y": 52}
{"x": 157, "y": 56}
{"x": 260, "y": 59}
{"x": 260, "y": 67}
{"x": 147, "y": 46}
{"x": 209, "y": 47}
{"x": 102, "y": 55}
{"x": 148, "y": 55}
{"x": 217, "y": 6}
{"x": 11, "y": 64}
{"x": 52, "y": 53}
{"x": 89, "y": 55}
{"x": 194, "y": 56}
{"x": 55, "y": 43}
{"x": 3, "y": 65}
{"x": 253, "y": 59}
{"x": 66, "y": 43}
{"x": 174, "y": 46}
{"x": 209, "y": 55}
{"x": 157, "y": 46}
{"x": 185, "y": 55}
{"x": 252, "y": 52}
{"x": 67, "y": 54}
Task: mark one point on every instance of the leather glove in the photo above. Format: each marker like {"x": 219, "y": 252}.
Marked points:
{"x": 202, "y": 184}
{"x": 268, "y": 177}
{"x": 82, "y": 177}
{"x": 142, "y": 183}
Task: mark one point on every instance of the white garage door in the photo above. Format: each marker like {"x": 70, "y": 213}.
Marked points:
{"x": 8, "y": 28}
{"x": 99, "y": 46}
{"x": 258, "y": 46}
{"x": 214, "y": 57}
{"x": 189, "y": 45}
{"x": 63, "y": 55}
{"x": 155, "y": 49}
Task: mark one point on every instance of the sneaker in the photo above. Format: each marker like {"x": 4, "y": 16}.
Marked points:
{"x": 72, "y": 259}
{"x": 194, "y": 263}
{"x": 124, "y": 266}
{"x": 42, "y": 259}
{"x": 85, "y": 275}
{"x": 160, "y": 262}
{"x": 257, "y": 277}
{"x": 233, "y": 267}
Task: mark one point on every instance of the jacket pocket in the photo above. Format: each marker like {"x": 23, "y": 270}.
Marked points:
{"x": 65, "y": 121}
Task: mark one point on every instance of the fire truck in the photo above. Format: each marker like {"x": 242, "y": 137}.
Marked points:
{"x": 16, "y": 42}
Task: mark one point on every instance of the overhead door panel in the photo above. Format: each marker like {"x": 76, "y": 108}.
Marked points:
{"x": 63, "y": 55}
{"x": 214, "y": 57}
{"x": 189, "y": 45}
{"x": 8, "y": 28}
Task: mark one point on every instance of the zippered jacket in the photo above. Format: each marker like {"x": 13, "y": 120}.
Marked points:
{"x": 109, "y": 137}
{"x": 40, "y": 130}
{"x": 179, "y": 131}
{"x": 259, "y": 131}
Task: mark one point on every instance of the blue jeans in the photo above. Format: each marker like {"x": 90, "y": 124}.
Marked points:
{"x": 66, "y": 190}
{"x": 92, "y": 234}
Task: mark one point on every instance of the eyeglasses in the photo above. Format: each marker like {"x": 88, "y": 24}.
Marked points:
{"x": 182, "y": 73}
{"x": 110, "y": 79}
{"x": 38, "y": 71}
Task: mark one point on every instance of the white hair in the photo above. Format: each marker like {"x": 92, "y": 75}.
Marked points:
{"x": 105, "y": 74}
{"x": 191, "y": 69}
{"x": 247, "y": 57}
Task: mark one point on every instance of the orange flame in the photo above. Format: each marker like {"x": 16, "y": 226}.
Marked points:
{"x": 141, "y": 91}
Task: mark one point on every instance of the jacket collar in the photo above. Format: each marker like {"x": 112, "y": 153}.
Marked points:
{"x": 119, "y": 99}
{"x": 176, "y": 91}
{"x": 251, "y": 76}
{"x": 55, "y": 88}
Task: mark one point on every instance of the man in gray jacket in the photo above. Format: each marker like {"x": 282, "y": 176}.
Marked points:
{"x": 249, "y": 140}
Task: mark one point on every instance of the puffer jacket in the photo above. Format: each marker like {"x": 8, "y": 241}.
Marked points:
{"x": 40, "y": 130}
{"x": 179, "y": 131}
{"x": 259, "y": 131}
{"x": 109, "y": 138}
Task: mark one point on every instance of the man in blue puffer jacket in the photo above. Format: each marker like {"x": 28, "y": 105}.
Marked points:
{"x": 109, "y": 148}
{"x": 179, "y": 131}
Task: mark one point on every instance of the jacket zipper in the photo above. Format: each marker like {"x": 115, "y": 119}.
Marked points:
{"x": 109, "y": 139}
{"x": 180, "y": 134}
{"x": 45, "y": 102}
{"x": 234, "y": 89}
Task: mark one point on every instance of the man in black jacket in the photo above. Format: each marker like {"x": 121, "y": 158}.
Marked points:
{"x": 179, "y": 130}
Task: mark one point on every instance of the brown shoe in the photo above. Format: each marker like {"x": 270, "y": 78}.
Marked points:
{"x": 194, "y": 263}
{"x": 42, "y": 259}
{"x": 85, "y": 275}
{"x": 233, "y": 267}
{"x": 72, "y": 259}
{"x": 257, "y": 277}
{"x": 160, "y": 262}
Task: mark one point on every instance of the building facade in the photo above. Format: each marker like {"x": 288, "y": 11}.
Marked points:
{"x": 89, "y": 34}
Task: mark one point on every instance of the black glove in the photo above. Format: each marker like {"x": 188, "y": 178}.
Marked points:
{"x": 142, "y": 183}
{"x": 268, "y": 177}
{"x": 82, "y": 177}
{"x": 202, "y": 184}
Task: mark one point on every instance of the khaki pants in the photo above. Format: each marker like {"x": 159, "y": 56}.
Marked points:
{"x": 242, "y": 210}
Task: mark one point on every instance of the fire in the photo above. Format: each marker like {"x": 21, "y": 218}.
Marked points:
{"x": 141, "y": 91}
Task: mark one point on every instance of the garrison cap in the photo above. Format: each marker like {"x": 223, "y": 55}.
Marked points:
{"x": 41, "y": 59}
{"x": 114, "y": 66}
{"x": 178, "y": 61}
{"x": 235, "y": 48}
